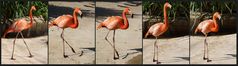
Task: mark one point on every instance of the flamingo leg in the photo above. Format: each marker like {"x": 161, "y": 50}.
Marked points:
{"x": 14, "y": 42}
{"x": 30, "y": 55}
{"x": 154, "y": 50}
{"x": 157, "y": 49}
{"x": 65, "y": 56}
{"x": 114, "y": 46}
{"x": 208, "y": 60}
{"x": 69, "y": 45}
{"x": 205, "y": 50}
{"x": 109, "y": 42}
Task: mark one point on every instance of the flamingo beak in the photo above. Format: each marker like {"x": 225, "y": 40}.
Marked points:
{"x": 80, "y": 13}
{"x": 220, "y": 20}
{"x": 169, "y": 6}
{"x": 132, "y": 15}
{"x": 33, "y": 8}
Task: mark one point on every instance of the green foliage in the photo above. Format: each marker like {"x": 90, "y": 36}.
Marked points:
{"x": 18, "y": 9}
{"x": 227, "y": 7}
{"x": 154, "y": 8}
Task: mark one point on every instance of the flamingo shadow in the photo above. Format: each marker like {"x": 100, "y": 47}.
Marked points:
{"x": 184, "y": 58}
{"x": 223, "y": 58}
{"x": 83, "y": 51}
{"x": 136, "y": 50}
{"x": 177, "y": 59}
{"x": 77, "y": 53}
{"x": 233, "y": 55}
{"x": 90, "y": 49}
{"x": 230, "y": 56}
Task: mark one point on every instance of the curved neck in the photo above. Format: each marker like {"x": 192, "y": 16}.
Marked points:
{"x": 125, "y": 25}
{"x": 31, "y": 20}
{"x": 75, "y": 24}
{"x": 165, "y": 16}
{"x": 215, "y": 28}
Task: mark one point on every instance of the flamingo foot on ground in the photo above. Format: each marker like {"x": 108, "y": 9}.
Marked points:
{"x": 155, "y": 60}
{"x": 66, "y": 56}
{"x": 115, "y": 58}
{"x": 205, "y": 58}
{"x": 30, "y": 56}
{"x": 13, "y": 59}
{"x": 158, "y": 62}
{"x": 209, "y": 60}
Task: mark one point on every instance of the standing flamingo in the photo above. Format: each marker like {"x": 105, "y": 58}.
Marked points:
{"x": 18, "y": 27}
{"x": 206, "y": 27}
{"x": 113, "y": 23}
{"x": 66, "y": 21}
{"x": 158, "y": 29}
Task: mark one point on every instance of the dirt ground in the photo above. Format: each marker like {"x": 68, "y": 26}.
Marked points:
{"x": 127, "y": 41}
{"x": 171, "y": 50}
{"x": 37, "y": 45}
{"x": 222, "y": 49}
{"x": 81, "y": 38}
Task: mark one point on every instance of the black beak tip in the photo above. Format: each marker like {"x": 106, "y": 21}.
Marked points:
{"x": 132, "y": 15}
{"x": 81, "y": 15}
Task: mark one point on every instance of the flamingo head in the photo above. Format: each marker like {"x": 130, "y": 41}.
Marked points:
{"x": 128, "y": 11}
{"x": 33, "y": 8}
{"x": 79, "y": 12}
{"x": 218, "y": 15}
{"x": 167, "y": 5}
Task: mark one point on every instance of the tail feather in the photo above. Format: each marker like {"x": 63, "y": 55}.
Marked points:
{"x": 50, "y": 25}
{"x": 196, "y": 30}
{"x": 147, "y": 34}
{"x": 99, "y": 26}
{"x": 6, "y": 32}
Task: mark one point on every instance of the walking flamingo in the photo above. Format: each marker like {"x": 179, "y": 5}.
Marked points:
{"x": 113, "y": 23}
{"x": 67, "y": 21}
{"x": 206, "y": 27}
{"x": 158, "y": 29}
{"x": 18, "y": 27}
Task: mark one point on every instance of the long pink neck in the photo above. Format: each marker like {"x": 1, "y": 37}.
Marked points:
{"x": 165, "y": 16}
{"x": 31, "y": 20}
{"x": 75, "y": 25}
{"x": 215, "y": 29}
{"x": 126, "y": 24}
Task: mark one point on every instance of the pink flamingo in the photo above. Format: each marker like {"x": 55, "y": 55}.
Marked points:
{"x": 113, "y": 23}
{"x": 67, "y": 21}
{"x": 158, "y": 29}
{"x": 18, "y": 27}
{"x": 206, "y": 27}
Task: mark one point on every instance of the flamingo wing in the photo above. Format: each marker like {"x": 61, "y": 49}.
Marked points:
{"x": 63, "y": 21}
{"x": 156, "y": 29}
{"x": 19, "y": 25}
{"x": 205, "y": 26}
{"x": 113, "y": 22}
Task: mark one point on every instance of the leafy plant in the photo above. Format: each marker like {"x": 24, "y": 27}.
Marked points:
{"x": 154, "y": 9}
{"x": 10, "y": 10}
{"x": 211, "y": 6}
